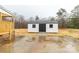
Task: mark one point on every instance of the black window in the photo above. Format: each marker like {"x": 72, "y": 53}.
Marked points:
{"x": 51, "y": 25}
{"x": 33, "y": 26}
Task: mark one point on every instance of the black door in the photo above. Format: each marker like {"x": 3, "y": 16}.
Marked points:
{"x": 42, "y": 27}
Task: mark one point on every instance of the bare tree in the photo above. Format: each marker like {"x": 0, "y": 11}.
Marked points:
{"x": 20, "y": 22}
{"x": 75, "y": 12}
{"x": 36, "y": 18}
{"x": 61, "y": 15}
{"x": 52, "y": 19}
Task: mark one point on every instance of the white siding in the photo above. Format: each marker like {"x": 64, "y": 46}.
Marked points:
{"x": 30, "y": 29}
{"x": 54, "y": 29}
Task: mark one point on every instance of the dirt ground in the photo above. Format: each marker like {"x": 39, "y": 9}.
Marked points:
{"x": 25, "y": 44}
{"x": 41, "y": 44}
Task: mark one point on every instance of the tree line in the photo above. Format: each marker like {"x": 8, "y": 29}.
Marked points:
{"x": 64, "y": 19}
{"x": 68, "y": 20}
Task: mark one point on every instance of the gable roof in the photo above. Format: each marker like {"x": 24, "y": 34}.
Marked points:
{"x": 2, "y": 11}
{"x": 43, "y": 22}
{"x": 5, "y": 11}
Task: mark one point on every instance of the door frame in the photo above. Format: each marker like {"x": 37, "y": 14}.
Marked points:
{"x": 42, "y": 27}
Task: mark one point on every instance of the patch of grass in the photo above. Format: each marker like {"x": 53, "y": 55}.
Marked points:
{"x": 62, "y": 32}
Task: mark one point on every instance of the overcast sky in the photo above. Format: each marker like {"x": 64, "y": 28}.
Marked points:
{"x": 42, "y": 8}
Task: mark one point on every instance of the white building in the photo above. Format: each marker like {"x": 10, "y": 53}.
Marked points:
{"x": 42, "y": 26}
